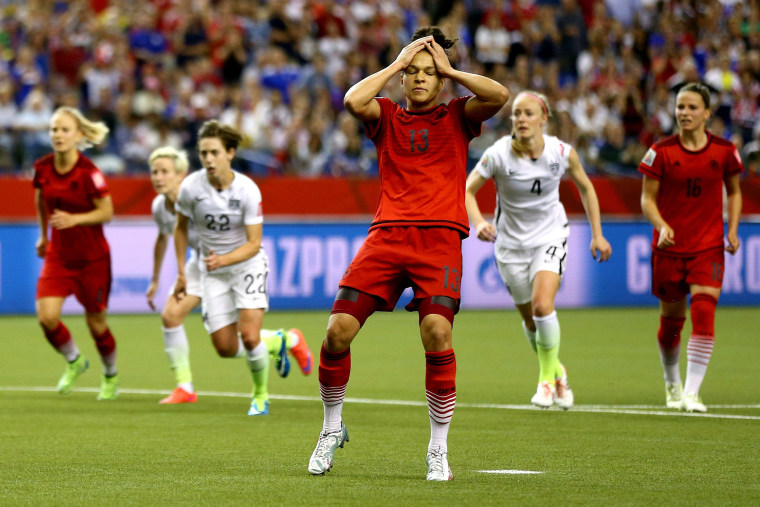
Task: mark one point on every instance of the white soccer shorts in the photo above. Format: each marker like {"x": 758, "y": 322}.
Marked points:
{"x": 192, "y": 276}
{"x": 242, "y": 287}
{"x": 518, "y": 267}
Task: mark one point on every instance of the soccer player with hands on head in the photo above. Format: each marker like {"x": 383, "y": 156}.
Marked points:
{"x": 530, "y": 230}
{"x": 415, "y": 239}
{"x": 224, "y": 208}
{"x": 72, "y": 200}
{"x": 682, "y": 197}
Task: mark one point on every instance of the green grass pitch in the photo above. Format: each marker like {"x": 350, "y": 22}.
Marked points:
{"x": 619, "y": 445}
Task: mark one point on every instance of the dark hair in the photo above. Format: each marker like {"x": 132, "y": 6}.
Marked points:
{"x": 229, "y": 137}
{"x": 699, "y": 88}
{"x": 437, "y": 34}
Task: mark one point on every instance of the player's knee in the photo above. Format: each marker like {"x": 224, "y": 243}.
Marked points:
{"x": 48, "y": 321}
{"x": 170, "y": 317}
{"x": 226, "y": 349}
{"x": 436, "y": 334}
{"x": 341, "y": 331}
{"x": 542, "y": 306}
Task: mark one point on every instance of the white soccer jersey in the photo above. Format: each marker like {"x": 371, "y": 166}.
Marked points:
{"x": 220, "y": 217}
{"x": 528, "y": 210}
{"x": 166, "y": 220}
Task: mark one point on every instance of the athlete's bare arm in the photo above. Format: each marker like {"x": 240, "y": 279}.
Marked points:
{"x": 599, "y": 244}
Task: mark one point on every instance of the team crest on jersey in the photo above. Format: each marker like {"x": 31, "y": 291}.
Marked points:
{"x": 649, "y": 157}
{"x": 485, "y": 161}
{"x": 554, "y": 168}
{"x": 714, "y": 165}
{"x": 234, "y": 203}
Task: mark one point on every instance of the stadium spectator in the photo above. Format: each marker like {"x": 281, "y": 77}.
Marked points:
{"x": 398, "y": 253}
{"x": 168, "y": 167}
{"x": 530, "y": 232}
{"x": 682, "y": 197}
{"x": 72, "y": 200}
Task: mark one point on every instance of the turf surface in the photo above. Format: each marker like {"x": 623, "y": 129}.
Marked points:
{"x": 619, "y": 445}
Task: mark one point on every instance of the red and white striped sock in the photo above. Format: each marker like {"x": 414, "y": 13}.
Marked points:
{"x": 334, "y": 371}
{"x": 61, "y": 340}
{"x": 440, "y": 389}
{"x": 701, "y": 341}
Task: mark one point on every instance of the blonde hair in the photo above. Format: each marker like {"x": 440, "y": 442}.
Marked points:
{"x": 94, "y": 132}
{"x": 519, "y": 146}
{"x": 179, "y": 157}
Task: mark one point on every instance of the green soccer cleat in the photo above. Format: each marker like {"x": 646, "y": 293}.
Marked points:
{"x": 691, "y": 402}
{"x": 673, "y": 395}
{"x": 259, "y": 407}
{"x": 109, "y": 388}
{"x": 73, "y": 370}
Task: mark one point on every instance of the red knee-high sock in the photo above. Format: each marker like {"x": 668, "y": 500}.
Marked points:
{"x": 61, "y": 340}
{"x": 669, "y": 343}
{"x": 334, "y": 371}
{"x": 441, "y": 392}
{"x": 701, "y": 341}
{"x": 106, "y": 345}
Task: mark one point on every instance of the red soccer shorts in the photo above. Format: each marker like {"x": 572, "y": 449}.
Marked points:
{"x": 90, "y": 282}
{"x": 672, "y": 276}
{"x": 428, "y": 259}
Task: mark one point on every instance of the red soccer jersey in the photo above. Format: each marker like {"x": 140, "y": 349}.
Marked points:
{"x": 422, "y": 157}
{"x": 72, "y": 192}
{"x": 690, "y": 199}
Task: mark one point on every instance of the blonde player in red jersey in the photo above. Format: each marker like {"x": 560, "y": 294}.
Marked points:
{"x": 682, "y": 196}
{"x": 72, "y": 198}
{"x": 416, "y": 236}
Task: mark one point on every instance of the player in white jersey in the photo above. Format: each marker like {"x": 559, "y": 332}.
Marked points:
{"x": 530, "y": 230}
{"x": 168, "y": 167}
{"x": 225, "y": 208}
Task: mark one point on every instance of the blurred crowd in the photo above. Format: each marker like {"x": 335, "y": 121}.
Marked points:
{"x": 154, "y": 70}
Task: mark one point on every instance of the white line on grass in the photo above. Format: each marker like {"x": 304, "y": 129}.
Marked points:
{"x": 509, "y": 472}
{"x": 597, "y": 409}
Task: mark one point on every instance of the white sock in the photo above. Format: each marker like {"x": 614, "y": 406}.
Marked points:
{"x": 69, "y": 350}
{"x": 332, "y": 401}
{"x": 258, "y": 358}
{"x": 670, "y": 366}
{"x": 439, "y": 434}
{"x": 530, "y": 335}
{"x": 176, "y": 346}
{"x": 698, "y": 353}
{"x": 241, "y": 352}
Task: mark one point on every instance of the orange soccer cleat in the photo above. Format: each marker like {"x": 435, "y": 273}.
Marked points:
{"x": 179, "y": 395}
{"x": 301, "y": 352}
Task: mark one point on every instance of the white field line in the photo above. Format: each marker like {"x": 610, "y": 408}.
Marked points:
{"x": 599, "y": 409}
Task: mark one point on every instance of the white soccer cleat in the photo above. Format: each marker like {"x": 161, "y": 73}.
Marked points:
{"x": 673, "y": 395}
{"x": 692, "y": 403}
{"x": 563, "y": 397}
{"x": 438, "y": 465}
{"x": 544, "y": 397}
{"x": 321, "y": 459}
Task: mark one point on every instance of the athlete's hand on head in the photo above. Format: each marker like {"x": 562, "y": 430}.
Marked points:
{"x": 602, "y": 248}
{"x": 733, "y": 243}
{"x": 486, "y": 231}
{"x": 439, "y": 57}
{"x": 406, "y": 55}
{"x": 667, "y": 237}
{"x": 62, "y": 220}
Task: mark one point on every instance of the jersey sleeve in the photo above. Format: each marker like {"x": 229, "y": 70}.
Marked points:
{"x": 37, "y": 181}
{"x": 734, "y": 164}
{"x": 164, "y": 228}
{"x": 96, "y": 184}
{"x": 184, "y": 199}
{"x": 252, "y": 210}
{"x": 490, "y": 163}
{"x": 651, "y": 164}
{"x": 373, "y": 128}
{"x": 472, "y": 129}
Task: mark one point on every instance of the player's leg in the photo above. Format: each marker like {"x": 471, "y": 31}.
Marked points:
{"x": 93, "y": 290}
{"x": 350, "y": 311}
{"x": 672, "y": 318}
{"x": 177, "y": 347}
{"x": 704, "y": 300}
{"x": 106, "y": 345}
{"x": 545, "y": 287}
{"x": 436, "y": 321}
{"x": 58, "y": 335}
{"x": 257, "y": 357}
{"x": 669, "y": 286}
{"x": 276, "y": 342}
